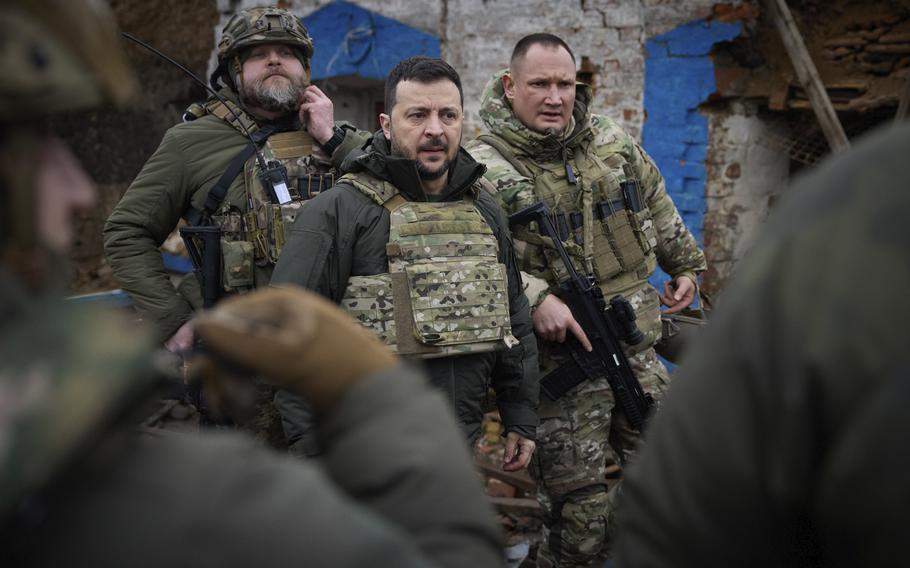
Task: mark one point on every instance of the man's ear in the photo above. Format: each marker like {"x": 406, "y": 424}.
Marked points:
{"x": 508, "y": 85}
{"x": 385, "y": 122}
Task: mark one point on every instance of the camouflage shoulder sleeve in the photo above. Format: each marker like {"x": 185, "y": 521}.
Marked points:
{"x": 511, "y": 187}
{"x": 513, "y": 191}
{"x": 677, "y": 250}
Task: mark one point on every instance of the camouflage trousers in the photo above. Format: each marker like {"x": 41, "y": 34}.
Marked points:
{"x": 579, "y": 437}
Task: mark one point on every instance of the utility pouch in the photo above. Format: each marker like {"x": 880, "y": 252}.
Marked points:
{"x": 606, "y": 265}
{"x": 276, "y": 232}
{"x": 254, "y": 235}
{"x": 237, "y": 258}
{"x": 643, "y": 225}
{"x": 623, "y": 240}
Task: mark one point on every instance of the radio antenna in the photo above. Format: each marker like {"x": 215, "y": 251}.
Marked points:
{"x": 214, "y": 93}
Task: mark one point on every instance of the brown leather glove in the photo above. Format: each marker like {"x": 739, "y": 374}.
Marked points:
{"x": 294, "y": 339}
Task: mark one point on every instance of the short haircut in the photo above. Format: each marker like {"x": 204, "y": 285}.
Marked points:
{"x": 544, "y": 39}
{"x": 423, "y": 70}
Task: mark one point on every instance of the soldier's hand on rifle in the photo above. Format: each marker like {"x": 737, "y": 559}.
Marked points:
{"x": 294, "y": 339}
{"x": 678, "y": 294}
{"x": 518, "y": 452}
{"x": 318, "y": 114}
{"x": 182, "y": 340}
{"x": 553, "y": 318}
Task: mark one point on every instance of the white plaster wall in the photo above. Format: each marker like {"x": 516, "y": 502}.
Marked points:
{"x": 745, "y": 172}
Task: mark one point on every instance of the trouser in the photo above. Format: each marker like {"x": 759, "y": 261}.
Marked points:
{"x": 579, "y": 437}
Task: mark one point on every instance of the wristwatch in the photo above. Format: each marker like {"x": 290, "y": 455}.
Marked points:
{"x": 334, "y": 142}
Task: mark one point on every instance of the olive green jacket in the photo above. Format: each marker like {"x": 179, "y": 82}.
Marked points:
{"x": 784, "y": 439}
{"x": 343, "y": 233}
{"x": 188, "y": 162}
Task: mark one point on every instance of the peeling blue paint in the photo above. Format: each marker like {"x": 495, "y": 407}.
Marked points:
{"x": 679, "y": 76}
{"x": 350, "y": 40}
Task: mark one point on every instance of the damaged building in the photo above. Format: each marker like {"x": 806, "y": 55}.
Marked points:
{"x": 709, "y": 88}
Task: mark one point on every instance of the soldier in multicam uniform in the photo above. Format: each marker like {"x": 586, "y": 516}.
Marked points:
{"x": 264, "y": 63}
{"x": 414, "y": 246}
{"x": 77, "y": 486}
{"x": 545, "y": 145}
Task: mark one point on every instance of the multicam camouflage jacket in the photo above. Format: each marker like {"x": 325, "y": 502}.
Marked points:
{"x": 344, "y": 240}
{"x": 616, "y": 219}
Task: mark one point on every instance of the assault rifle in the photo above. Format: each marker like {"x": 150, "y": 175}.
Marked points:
{"x": 604, "y": 324}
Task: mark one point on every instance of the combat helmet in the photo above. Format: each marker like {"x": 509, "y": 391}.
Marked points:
{"x": 56, "y": 56}
{"x": 253, "y": 27}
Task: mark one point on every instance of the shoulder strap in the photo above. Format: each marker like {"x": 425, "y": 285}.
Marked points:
{"x": 381, "y": 192}
{"x": 218, "y": 192}
{"x": 240, "y": 121}
{"x": 506, "y": 153}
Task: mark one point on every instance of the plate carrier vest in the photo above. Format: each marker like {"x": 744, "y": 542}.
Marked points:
{"x": 446, "y": 293}
{"x": 256, "y": 234}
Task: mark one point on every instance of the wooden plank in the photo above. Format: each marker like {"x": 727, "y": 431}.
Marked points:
{"x": 904, "y": 104}
{"x": 516, "y": 505}
{"x": 807, "y": 74}
{"x": 519, "y": 480}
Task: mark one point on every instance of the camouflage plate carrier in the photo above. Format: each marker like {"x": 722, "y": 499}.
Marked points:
{"x": 257, "y": 235}
{"x": 446, "y": 293}
{"x": 601, "y": 216}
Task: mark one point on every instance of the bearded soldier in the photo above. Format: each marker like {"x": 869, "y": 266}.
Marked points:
{"x": 206, "y": 172}
{"x": 79, "y": 485}
{"x": 617, "y": 223}
{"x": 414, "y": 246}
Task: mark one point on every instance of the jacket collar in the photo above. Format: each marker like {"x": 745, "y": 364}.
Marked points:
{"x": 376, "y": 160}
{"x": 497, "y": 114}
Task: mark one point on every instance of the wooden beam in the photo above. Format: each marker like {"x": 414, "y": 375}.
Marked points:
{"x": 519, "y": 480}
{"x": 807, "y": 74}
{"x": 516, "y": 505}
{"x": 904, "y": 105}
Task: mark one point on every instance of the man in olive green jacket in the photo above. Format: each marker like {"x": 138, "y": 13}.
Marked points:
{"x": 784, "y": 439}
{"x": 264, "y": 65}
{"x": 416, "y": 199}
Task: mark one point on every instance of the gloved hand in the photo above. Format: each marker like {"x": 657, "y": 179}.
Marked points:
{"x": 294, "y": 339}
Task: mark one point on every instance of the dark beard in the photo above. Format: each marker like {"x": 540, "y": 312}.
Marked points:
{"x": 283, "y": 99}
{"x": 422, "y": 171}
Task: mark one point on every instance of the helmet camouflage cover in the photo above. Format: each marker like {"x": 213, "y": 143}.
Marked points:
{"x": 56, "y": 56}
{"x": 263, "y": 25}
{"x": 59, "y": 55}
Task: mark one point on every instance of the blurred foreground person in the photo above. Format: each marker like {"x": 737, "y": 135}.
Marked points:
{"x": 79, "y": 486}
{"x": 784, "y": 439}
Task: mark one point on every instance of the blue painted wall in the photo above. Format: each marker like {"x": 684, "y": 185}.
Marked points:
{"x": 352, "y": 41}
{"x": 679, "y": 76}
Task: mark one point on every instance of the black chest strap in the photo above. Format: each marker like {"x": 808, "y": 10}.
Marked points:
{"x": 218, "y": 192}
